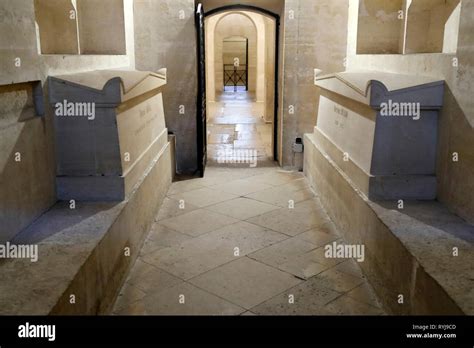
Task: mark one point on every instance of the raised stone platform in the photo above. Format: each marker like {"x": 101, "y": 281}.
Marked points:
{"x": 82, "y": 252}
{"x": 409, "y": 251}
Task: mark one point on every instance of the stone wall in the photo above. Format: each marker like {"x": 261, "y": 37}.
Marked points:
{"x": 315, "y": 38}
{"x": 165, "y": 36}
{"x": 456, "y": 125}
{"x": 380, "y": 18}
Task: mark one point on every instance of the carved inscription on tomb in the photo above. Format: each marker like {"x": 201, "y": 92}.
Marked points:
{"x": 147, "y": 116}
{"x": 340, "y": 111}
{"x": 139, "y": 127}
{"x": 348, "y": 131}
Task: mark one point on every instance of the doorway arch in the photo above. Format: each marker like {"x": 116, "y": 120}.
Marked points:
{"x": 241, "y": 7}
{"x": 276, "y": 18}
{"x": 221, "y": 25}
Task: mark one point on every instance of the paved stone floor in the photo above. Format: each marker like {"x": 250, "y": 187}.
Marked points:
{"x": 235, "y": 125}
{"x": 232, "y": 243}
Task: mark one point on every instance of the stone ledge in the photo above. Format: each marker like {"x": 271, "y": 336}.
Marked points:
{"x": 81, "y": 251}
{"x": 408, "y": 251}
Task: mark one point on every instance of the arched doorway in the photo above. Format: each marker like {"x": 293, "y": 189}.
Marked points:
{"x": 256, "y": 75}
{"x": 235, "y": 62}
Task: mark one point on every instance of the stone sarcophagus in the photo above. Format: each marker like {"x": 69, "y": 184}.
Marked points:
{"x": 110, "y": 127}
{"x": 381, "y": 130}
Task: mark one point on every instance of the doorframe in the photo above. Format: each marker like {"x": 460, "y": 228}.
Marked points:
{"x": 247, "y": 65}
{"x": 276, "y": 17}
{"x": 201, "y": 102}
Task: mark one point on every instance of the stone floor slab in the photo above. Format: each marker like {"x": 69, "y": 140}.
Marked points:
{"x": 319, "y": 255}
{"x": 184, "y": 186}
{"x": 244, "y": 236}
{"x": 242, "y": 187}
{"x": 148, "y": 278}
{"x": 291, "y": 221}
{"x": 282, "y": 252}
{"x": 303, "y": 268}
{"x": 307, "y": 298}
{"x": 365, "y": 294}
{"x": 182, "y": 299}
{"x": 319, "y": 237}
{"x": 128, "y": 295}
{"x": 297, "y": 185}
{"x": 162, "y": 237}
{"x": 245, "y": 282}
{"x": 191, "y": 258}
{"x": 198, "y": 222}
{"x": 198, "y": 255}
{"x": 351, "y": 267}
{"x": 346, "y": 305}
{"x": 204, "y": 197}
{"x": 244, "y": 255}
{"x": 338, "y": 281}
{"x": 172, "y": 207}
{"x": 281, "y": 196}
{"x": 278, "y": 178}
{"x": 242, "y": 208}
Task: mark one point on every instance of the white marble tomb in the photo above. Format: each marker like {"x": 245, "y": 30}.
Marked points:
{"x": 110, "y": 126}
{"x": 381, "y": 129}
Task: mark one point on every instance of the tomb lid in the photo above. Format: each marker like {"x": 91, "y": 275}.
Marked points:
{"x": 132, "y": 83}
{"x": 374, "y": 87}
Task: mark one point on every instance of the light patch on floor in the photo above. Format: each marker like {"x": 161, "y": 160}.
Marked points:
{"x": 236, "y": 127}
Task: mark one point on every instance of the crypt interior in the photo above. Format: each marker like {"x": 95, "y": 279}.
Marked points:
{"x": 236, "y": 157}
